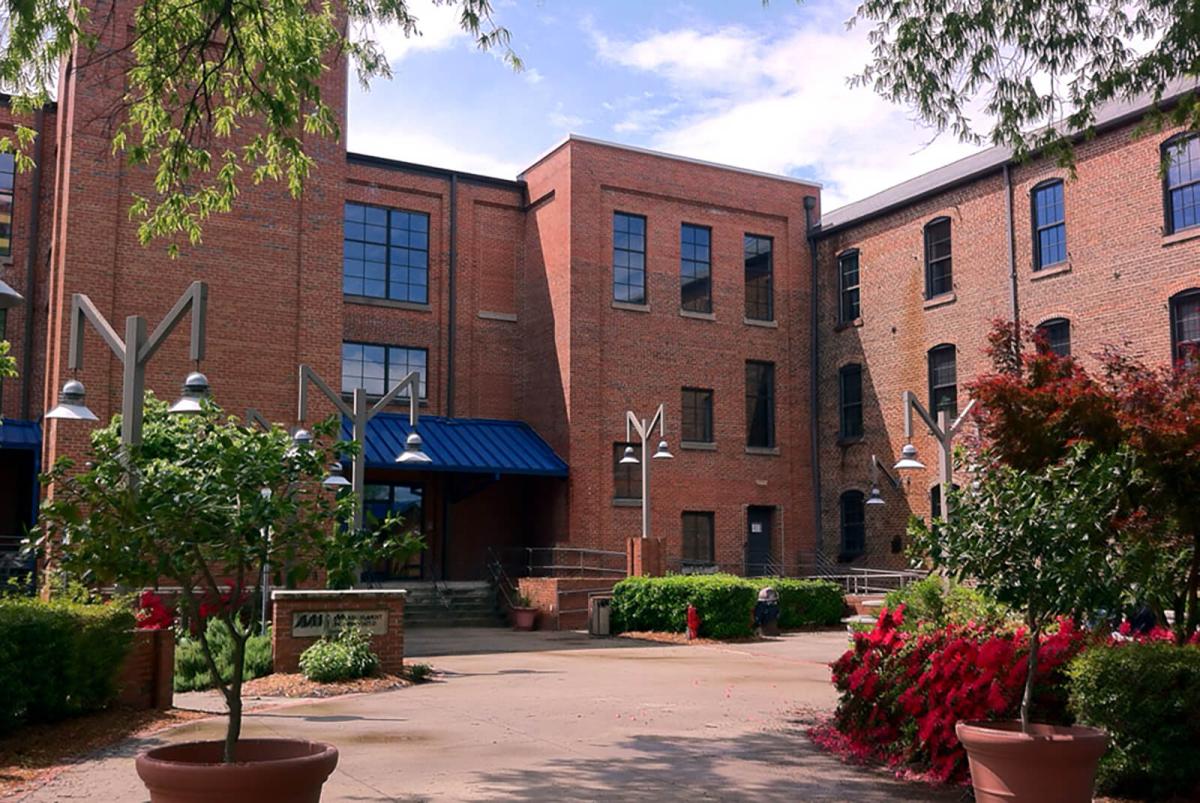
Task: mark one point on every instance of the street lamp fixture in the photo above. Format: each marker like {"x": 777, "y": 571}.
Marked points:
{"x": 943, "y": 430}
{"x": 70, "y": 405}
{"x": 645, "y": 429}
{"x": 195, "y": 391}
{"x": 874, "y": 498}
{"x": 908, "y": 459}
{"x": 412, "y": 450}
{"x": 336, "y": 480}
{"x": 9, "y": 297}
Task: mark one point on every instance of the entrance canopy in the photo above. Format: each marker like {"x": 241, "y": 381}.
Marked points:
{"x": 18, "y": 434}
{"x": 462, "y": 445}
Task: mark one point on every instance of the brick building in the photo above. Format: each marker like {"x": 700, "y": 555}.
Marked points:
{"x": 538, "y": 310}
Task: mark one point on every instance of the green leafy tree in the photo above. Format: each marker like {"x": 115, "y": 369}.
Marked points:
{"x": 206, "y": 503}
{"x": 8, "y": 366}
{"x": 1042, "y": 542}
{"x": 216, "y": 92}
{"x": 1039, "y": 70}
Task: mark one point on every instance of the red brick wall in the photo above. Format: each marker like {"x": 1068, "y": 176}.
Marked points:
{"x": 562, "y": 602}
{"x": 286, "y": 649}
{"x": 148, "y": 674}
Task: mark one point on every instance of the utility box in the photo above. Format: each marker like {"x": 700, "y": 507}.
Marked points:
{"x": 600, "y": 615}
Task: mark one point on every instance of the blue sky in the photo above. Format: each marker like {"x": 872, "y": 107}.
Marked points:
{"x": 729, "y": 81}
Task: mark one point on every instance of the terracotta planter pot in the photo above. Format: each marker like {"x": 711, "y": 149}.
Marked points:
{"x": 524, "y": 618}
{"x": 1052, "y": 764}
{"x": 267, "y": 771}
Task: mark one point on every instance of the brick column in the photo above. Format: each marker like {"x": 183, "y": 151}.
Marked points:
{"x": 314, "y": 613}
{"x": 645, "y": 557}
{"x": 147, "y": 678}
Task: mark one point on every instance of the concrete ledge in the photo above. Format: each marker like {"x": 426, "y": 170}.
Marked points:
{"x": 326, "y": 593}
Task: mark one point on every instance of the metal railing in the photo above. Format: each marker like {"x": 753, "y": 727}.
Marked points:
{"x": 503, "y": 584}
{"x": 862, "y": 580}
{"x": 562, "y": 561}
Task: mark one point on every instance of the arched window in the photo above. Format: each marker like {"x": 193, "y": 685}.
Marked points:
{"x": 1185, "y": 325}
{"x": 943, "y": 380}
{"x": 854, "y": 532}
{"x": 1181, "y": 182}
{"x": 1056, "y": 336}
{"x": 850, "y": 401}
{"x": 1049, "y": 218}
{"x": 938, "y": 276}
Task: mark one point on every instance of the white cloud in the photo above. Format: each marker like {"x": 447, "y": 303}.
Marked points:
{"x": 564, "y": 122}
{"x": 438, "y": 25}
{"x": 532, "y": 76}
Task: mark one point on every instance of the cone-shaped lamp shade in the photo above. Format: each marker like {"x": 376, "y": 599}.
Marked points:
{"x": 9, "y": 297}
{"x": 908, "y": 459}
{"x": 662, "y": 453}
{"x": 335, "y": 479}
{"x": 412, "y": 451}
{"x": 70, "y": 405}
{"x": 195, "y": 391}
{"x": 874, "y": 498}
{"x": 629, "y": 459}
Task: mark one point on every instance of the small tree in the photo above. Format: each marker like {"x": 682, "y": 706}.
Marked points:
{"x": 206, "y": 502}
{"x": 1041, "y": 542}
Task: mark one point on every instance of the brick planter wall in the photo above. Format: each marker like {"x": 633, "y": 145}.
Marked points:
{"x": 148, "y": 675}
{"x": 562, "y": 602}
{"x": 286, "y": 647}
{"x": 645, "y": 557}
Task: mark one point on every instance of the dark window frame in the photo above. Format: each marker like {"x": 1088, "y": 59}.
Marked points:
{"x": 645, "y": 297}
{"x": 845, "y": 405}
{"x": 627, "y": 478}
{"x": 704, "y": 411}
{"x": 1165, "y": 149}
{"x": 695, "y": 517}
{"x": 930, "y": 356}
{"x": 753, "y": 402}
{"x": 1038, "y": 227}
{"x": 752, "y": 308}
{"x": 1191, "y": 294}
{"x": 388, "y": 381}
{"x": 849, "y": 311}
{"x": 856, "y": 499}
{"x": 388, "y": 247}
{"x": 930, "y": 260}
{"x": 8, "y": 181}
{"x": 705, "y": 305}
{"x": 1047, "y": 326}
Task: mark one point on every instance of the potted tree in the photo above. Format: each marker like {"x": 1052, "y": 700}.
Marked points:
{"x": 204, "y": 503}
{"x": 1042, "y": 543}
{"x": 524, "y": 615}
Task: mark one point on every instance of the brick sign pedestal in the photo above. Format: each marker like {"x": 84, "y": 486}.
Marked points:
{"x": 299, "y": 618}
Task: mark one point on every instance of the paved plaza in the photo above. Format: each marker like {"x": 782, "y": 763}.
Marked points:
{"x": 560, "y": 716}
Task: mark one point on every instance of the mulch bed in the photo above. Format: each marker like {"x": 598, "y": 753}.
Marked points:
{"x": 38, "y": 751}
{"x": 296, "y": 685}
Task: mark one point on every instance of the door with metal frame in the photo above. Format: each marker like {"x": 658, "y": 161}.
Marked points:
{"x": 759, "y": 526}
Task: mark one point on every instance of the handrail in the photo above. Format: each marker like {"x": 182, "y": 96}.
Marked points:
{"x": 500, "y": 578}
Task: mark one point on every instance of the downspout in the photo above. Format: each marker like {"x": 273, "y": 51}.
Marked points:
{"x": 814, "y": 385}
{"x": 450, "y": 330}
{"x": 1012, "y": 251}
{"x": 31, "y": 253}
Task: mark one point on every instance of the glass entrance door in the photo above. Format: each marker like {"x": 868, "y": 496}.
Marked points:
{"x": 407, "y": 502}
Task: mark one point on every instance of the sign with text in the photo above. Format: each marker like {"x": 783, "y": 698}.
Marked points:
{"x": 314, "y": 624}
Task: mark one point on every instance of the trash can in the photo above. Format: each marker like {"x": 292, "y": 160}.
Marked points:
{"x": 766, "y": 612}
{"x": 599, "y": 612}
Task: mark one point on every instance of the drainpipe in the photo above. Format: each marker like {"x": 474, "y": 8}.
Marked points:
{"x": 31, "y": 252}
{"x": 814, "y": 384}
{"x": 450, "y": 331}
{"x": 1012, "y": 250}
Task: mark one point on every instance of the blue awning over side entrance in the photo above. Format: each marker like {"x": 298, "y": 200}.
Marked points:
{"x": 18, "y": 434}
{"x": 467, "y": 445}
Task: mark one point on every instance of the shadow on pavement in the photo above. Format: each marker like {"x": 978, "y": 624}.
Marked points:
{"x": 426, "y": 642}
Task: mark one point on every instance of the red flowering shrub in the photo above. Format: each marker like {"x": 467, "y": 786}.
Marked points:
{"x": 903, "y": 692}
{"x": 152, "y": 613}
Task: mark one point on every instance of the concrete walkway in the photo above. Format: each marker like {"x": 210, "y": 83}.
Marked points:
{"x": 559, "y": 716}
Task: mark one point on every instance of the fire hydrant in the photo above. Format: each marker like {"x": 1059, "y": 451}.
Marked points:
{"x": 693, "y": 622}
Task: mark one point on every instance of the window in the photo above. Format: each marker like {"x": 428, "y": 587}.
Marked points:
{"x": 938, "y": 278}
{"x": 7, "y": 171}
{"x": 697, "y": 415}
{"x": 1185, "y": 325}
{"x": 1056, "y": 336}
{"x": 385, "y": 253}
{"x": 760, "y": 304}
{"x": 943, "y": 378}
{"x": 850, "y": 401}
{"x": 698, "y": 537}
{"x": 1049, "y": 225}
{"x": 695, "y": 268}
{"x": 379, "y": 368}
{"x": 760, "y": 404}
{"x": 1181, "y": 183}
{"x": 627, "y": 477}
{"x": 629, "y": 258}
{"x": 405, "y": 501}
{"x": 848, "y": 309}
{"x": 854, "y": 530}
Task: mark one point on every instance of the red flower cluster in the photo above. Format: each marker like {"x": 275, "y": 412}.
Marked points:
{"x": 903, "y": 693}
{"x": 1157, "y": 633}
{"x": 152, "y": 613}
{"x": 214, "y": 604}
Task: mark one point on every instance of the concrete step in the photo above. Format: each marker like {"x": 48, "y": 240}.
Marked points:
{"x": 481, "y": 621}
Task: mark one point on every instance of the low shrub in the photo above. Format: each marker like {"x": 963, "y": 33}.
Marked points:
{"x": 806, "y": 603}
{"x": 936, "y": 602}
{"x": 192, "y": 672}
{"x": 725, "y": 604}
{"x": 59, "y": 659}
{"x": 418, "y": 673}
{"x": 1147, "y": 696}
{"x": 346, "y": 656}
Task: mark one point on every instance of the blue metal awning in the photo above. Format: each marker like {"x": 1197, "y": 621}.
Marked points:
{"x": 467, "y": 445}
{"x": 18, "y": 434}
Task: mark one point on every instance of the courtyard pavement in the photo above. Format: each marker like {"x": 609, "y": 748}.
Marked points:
{"x": 560, "y": 716}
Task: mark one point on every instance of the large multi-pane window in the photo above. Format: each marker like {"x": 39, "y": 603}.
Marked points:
{"x": 943, "y": 381}
{"x": 385, "y": 253}
{"x": 7, "y": 173}
{"x": 695, "y": 268}
{"x": 629, "y": 258}
{"x": 378, "y": 368}
{"x": 1185, "y": 325}
{"x": 760, "y": 302}
{"x": 853, "y": 525}
{"x": 1181, "y": 183}
{"x": 848, "y": 304}
{"x": 850, "y": 401}
{"x": 698, "y": 537}
{"x": 697, "y": 415}
{"x": 627, "y": 477}
{"x": 938, "y": 275}
{"x": 404, "y": 502}
{"x": 1049, "y": 225}
{"x": 760, "y": 404}
{"x": 1056, "y": 336}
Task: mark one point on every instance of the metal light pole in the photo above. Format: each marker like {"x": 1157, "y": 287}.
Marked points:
{"x": 134, "y": 352}
{"x": 943, "y": 431}
{"x": 644, "y": 429}
{"x": 360, "y": 412}
{"x": 877, "y": 468}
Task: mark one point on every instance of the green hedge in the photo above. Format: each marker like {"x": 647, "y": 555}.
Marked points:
{"x": 1147, "y": 696}
{"x": 191, "y": 667}
{"x": 725, "y": 603}
{"x": 59, "y": 659}
{"x": 934, "y": 602}
{"x": 345, "y": 656}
